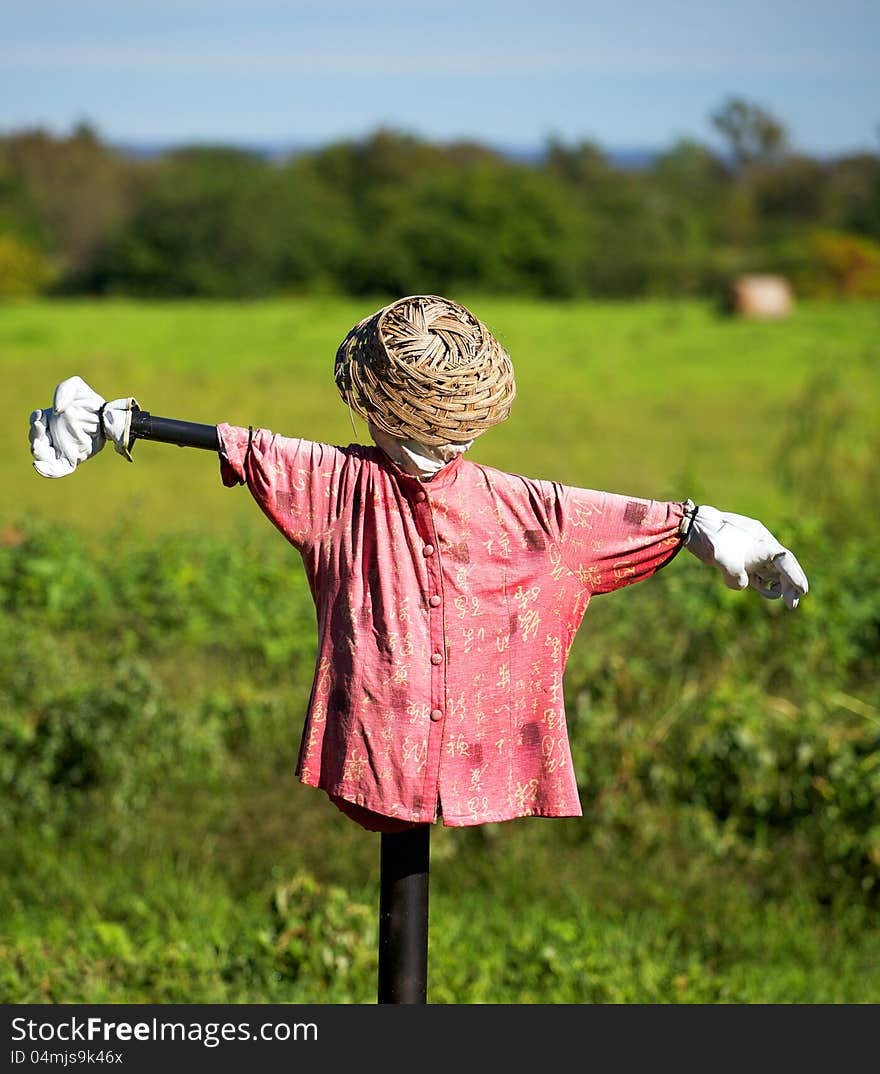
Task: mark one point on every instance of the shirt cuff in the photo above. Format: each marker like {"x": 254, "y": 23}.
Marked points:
{"x": 234, "y": 445}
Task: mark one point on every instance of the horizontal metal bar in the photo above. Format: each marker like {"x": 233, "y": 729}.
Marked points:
{"x": 147, "y": 426}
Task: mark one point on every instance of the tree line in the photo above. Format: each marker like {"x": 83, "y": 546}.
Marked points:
{"x": 394, "y": 213}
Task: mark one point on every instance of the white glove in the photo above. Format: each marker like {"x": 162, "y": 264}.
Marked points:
{"x": 76, "y": 427}
{"x": 746, "y": 553}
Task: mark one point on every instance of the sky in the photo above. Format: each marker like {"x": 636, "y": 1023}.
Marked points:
{"x": 509, "y": 74}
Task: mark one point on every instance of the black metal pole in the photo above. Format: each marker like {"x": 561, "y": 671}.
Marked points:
{"x": 403, "y": 916}
{"x": 146, "y": 426}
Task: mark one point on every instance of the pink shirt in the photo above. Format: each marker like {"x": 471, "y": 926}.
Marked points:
{"x": 446, "y": 611}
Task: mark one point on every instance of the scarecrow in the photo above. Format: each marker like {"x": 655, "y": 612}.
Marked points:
{"x": 447, "y": 593}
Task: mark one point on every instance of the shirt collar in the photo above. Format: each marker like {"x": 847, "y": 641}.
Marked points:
{"x": 411, "y": 485}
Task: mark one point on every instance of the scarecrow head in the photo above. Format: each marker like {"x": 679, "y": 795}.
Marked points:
{"x": 426, "y": 373}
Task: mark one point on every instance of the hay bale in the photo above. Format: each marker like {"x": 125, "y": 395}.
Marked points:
{"x": 761, "y": 296}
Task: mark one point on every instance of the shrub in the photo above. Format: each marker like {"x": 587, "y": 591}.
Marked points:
{"x": 23, "y": 269}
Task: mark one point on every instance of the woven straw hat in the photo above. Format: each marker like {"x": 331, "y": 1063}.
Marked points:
{"x": 425, "y": 369}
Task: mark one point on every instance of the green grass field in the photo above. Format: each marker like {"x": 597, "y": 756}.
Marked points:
{"x": 195, "y": 869}
{"x": 655, "y": 399}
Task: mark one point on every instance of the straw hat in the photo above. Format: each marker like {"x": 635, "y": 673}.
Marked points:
{"x": 425, "y": 369}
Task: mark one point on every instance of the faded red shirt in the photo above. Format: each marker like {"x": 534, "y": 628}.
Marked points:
{"x": 446, "y": 611}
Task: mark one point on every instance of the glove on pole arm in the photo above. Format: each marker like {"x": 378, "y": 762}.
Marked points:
{"x": 146, "y": 426}
{"x": 80, "y": 422}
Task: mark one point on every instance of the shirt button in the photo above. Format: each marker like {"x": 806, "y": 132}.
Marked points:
{"x": 436, "y": 658}
{"x": 428, "y": 550}
{"x": 421, "y": 497}
{"x": 434, "y": 600}
{"x": 436, "y": 715}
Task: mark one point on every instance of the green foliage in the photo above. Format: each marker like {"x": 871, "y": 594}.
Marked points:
{"x": 393, "y": 214}
{"x": 24, "y": 271}
{"x": 320, "y": 934}
{"x": 829, "y": 449}
{"x": 220, "y": 223}
{"x": 71, "y": 193}
{"x": 766, "y": 732}
{"x": 765, "y": 742}
{"x": 139, "y": 929}
{"x": 92, "y": 721}
{"x": 201, "y": 229}
{"x": 845, "y": 265}
{"x": 485, "y": 225}
{"x": 751, "y": 132}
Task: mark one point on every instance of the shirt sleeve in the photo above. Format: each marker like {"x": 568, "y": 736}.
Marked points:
{"x": 610, "y": 541}
{"x": 291, "y": 479}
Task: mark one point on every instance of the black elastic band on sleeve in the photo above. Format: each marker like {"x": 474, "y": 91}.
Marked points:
{"x": 687, "y": 521}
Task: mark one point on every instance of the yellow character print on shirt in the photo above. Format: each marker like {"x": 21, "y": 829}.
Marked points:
{"x": 355, "y": 766}
{"x": 583, "y": 513}
{"x": 553, "y": 753}
{"x": 415, "y": 754}
{"x": 524, "y": 597}
{"x": 554, "y": 644}
{"x": 478, "y": 807}
{"x": 418, "y": 712}
{"x": 528, "y": 623}
{"x": 467, "y": 606}
{"x": 553, "y": 719}
{"x": 526, "y": 793}
{"x": 457, "y": 746}
{"x": 472, "y": 637}
{"x": 456, "y": 708}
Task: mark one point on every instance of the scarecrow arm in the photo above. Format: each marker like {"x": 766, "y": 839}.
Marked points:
{"x": 80, "y": 422}
{"x": 746, "y": 553}
{"x": 146, "y": 426}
